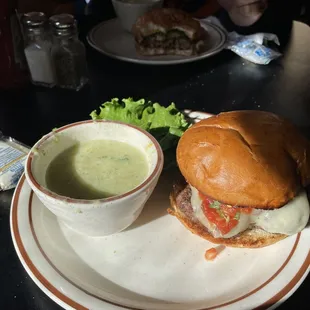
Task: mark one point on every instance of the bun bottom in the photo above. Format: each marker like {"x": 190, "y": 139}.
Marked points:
{"x": 251, "y": 238}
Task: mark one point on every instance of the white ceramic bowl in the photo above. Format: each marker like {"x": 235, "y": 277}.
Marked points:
{"x": 128, "y": 11}
{"x": 94, "y": 217}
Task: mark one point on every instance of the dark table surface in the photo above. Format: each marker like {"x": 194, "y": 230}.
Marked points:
{"x": 222, "y": 83}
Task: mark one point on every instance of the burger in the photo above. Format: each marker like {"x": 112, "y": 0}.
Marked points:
{"x": 246, "y": 174}
{"x": 166, "y": 31}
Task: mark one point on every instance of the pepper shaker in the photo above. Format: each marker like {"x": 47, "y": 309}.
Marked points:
{"x": 68, "y": 53}
{"x": 38, "y": 49}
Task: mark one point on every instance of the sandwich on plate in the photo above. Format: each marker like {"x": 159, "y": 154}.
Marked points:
{"x": 246, "y": 175}
{"x": 166, "y": 31}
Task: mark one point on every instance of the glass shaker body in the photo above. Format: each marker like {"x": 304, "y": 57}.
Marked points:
{"x": 68, "y": 53}
{"x": 38, "y": 50}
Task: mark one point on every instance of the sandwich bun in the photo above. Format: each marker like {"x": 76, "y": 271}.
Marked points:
{"x": 245, "y": 158}
{"x": 246, "y": 174}
{"x": 165, "y": 19}
{"x": 166, "y": 31}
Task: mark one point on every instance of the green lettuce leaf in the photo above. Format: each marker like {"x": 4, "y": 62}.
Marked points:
{"x": 166, "y": 124}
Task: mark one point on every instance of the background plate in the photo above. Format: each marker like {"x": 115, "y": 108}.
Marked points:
{"x": 110, "y": 39}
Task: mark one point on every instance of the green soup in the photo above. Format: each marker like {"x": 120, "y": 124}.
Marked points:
{"x": 97, "y": 169}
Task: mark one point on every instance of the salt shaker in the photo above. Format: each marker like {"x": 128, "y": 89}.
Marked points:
{"x": 38, "y": 49}
{"x": 68, "y": 53}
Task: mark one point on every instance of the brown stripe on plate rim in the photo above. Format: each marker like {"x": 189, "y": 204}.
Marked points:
{"x": 67, "y": 300}
{"x": 127, "y": 307}
{"x": 276, "y": 298}
{"x": 55, "y": 268}
{"x": 27, "y": 259}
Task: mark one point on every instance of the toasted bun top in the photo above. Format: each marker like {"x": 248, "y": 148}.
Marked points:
{"x": 245, "y": 158}
{"x": 165, "y": 19}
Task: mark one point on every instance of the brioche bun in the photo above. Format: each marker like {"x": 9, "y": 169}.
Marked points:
{"x": 245, "y": 158}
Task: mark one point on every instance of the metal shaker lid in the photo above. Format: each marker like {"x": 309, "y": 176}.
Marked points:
{"x": 62, "y": 21}
{"x": 34, "y": 19}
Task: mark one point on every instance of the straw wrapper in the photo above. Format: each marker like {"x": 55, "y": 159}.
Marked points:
{"x": 250, "y": 47}
{"x": 12, "y": 158}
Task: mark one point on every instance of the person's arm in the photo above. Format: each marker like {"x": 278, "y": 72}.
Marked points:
{"x": 247, "y": 16}
{"x": 275, "y": 17}
{"x": 244, "y": 13}
{"x": 197, "y": 8}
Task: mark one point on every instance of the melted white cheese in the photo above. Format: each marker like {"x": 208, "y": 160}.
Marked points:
{"x": 196, "y": 202}
{"x": 288, "y": 220}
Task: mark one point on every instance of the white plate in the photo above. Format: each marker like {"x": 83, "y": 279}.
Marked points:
{"x": 155, "y": 264}
{"x": 110, "y": 39}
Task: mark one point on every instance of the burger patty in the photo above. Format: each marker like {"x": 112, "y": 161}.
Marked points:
{"x": 181, "y": 208}
{"x": 180, "y": 43}
{"x": 174, "y": 39}
{"x": 183, "y": 200}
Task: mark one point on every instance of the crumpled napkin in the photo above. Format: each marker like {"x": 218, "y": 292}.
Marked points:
{"x": 250, "y": 47}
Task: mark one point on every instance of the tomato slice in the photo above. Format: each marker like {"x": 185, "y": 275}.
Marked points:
{"x": 223, "y": 216}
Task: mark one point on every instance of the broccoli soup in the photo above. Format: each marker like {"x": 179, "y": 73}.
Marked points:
{"x": 97, "y": 169}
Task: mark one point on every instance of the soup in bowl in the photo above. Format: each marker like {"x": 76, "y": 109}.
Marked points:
{"x": 95, "y": 176}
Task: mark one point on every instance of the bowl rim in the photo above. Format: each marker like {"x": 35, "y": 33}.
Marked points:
{"x": 53, "y": 195}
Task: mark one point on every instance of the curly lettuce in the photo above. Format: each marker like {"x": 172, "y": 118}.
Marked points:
{"x": 166, "y": 124}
